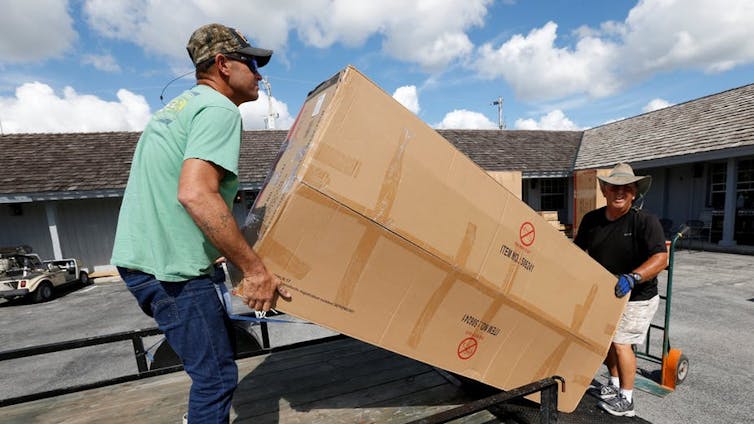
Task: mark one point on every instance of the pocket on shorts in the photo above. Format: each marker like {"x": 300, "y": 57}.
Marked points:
{"x": 636, "y": 320}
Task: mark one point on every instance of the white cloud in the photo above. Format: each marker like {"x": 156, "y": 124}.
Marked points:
{"x": 656, "y": 104}
{"x": 35, "y": 30}
{"x": 539, "y": 70}
{"x": 656, "y": 36}
{"x": 555, "y": 121}
{"x": 254, "y": 113}
{"x": 465, "y": 119}
{"x": 714, "y": 36}
{"x": 431, "y": 33}
{"x": 36, "y": 108}
{"x": 407, "y": 96}
{"x": 105, "y": 62}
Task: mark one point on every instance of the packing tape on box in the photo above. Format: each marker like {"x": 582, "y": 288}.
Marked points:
{"x": 284, "y": 256}
{"x": 430, "y": 309}
{"x": 389, "y": 188}
{"x": 582, "y": 380}
{"x": 543, "y": 317}
{"x": 513, "y": 268}
{"x": 580, "y": 311}
{"x": 499, "y": 300}
{"x": 356, "y": 265}
{"x": 327, "y": 155}
{"x": 337, "y": 160}
{"x": 550, "y": 364}
{"x": 381, "y": 213}
{"x": 317, "y": 176}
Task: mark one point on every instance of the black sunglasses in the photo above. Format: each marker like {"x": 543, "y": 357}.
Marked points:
{"x": 249, "y": 61}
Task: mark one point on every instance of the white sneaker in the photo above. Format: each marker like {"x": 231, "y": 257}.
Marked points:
{"x": 185, "y": 418}
{"x": 618, "y": 406}
{"x": 604, "y": 392}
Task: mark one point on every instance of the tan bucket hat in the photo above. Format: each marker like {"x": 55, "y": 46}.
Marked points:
{"x": 623, "y": 174}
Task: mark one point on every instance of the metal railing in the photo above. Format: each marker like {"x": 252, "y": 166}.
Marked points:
{"x": 548, "y": 407}
{"x": 548, "y": 386}
{"x": 140, "y": 353}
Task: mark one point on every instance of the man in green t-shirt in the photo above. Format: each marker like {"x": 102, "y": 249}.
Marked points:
{"x": 175, "y": 222}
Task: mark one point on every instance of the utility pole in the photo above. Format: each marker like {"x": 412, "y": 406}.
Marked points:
{"x": 499, "y": 104}
{"x": 269, "y": 120}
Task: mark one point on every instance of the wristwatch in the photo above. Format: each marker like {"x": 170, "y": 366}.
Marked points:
{"x": 636, "y": 276}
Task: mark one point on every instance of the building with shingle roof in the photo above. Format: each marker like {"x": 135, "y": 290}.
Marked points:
{"x": 537, "y": 154}
{"x": 711, "y": 127}
{"x": 61, "y": 192}
{"x": 700, "y": 155}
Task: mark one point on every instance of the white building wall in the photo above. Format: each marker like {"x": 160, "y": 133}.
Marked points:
{"x": 29, "y": 228}
{"x": 87, "y": 229}
{"x": 678, "y": 192}
{"x": 654, "y": 202}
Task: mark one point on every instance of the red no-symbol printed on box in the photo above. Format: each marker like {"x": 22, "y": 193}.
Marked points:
{"x": 526, "y": 233}
{"x": 467, "y": 348}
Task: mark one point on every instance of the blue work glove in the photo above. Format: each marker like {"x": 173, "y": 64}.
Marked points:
{"x": 625, "y": 283}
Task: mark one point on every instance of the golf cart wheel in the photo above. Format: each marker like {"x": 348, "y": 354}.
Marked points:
{"x": 682, "y": 369}
{"x": 43, "y": 292}
{"x": 84, "y": 278}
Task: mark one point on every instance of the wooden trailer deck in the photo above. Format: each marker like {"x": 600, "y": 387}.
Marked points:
{"x": 340, "y": 380}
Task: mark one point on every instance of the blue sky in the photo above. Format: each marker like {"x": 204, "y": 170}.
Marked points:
{"x": 101, "y": 65}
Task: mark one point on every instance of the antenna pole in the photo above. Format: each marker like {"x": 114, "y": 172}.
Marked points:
{"x": 269, "y": 120}
{"x": 499, "y": 104}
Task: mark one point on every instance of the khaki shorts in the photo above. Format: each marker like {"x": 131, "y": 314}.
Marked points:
{"x": 635, "y": 321}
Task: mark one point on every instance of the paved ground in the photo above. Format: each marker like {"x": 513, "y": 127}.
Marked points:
{"x": 712, "y": 316}
{"x": 80, "y": 312}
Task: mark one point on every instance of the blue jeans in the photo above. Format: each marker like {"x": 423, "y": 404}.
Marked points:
{"x": 198, "y": 329}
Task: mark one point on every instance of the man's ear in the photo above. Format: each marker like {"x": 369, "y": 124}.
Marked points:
{"x": 223, "y": 64}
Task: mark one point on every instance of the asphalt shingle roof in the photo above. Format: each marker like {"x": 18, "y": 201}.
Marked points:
{"x": 258, "y": 152}
{"x": 44, "y": 163}
{"x": 82, "y": 162}
{"x": 527, "y": 151}
{"x": 50, "y": 163}
{"x": 35, "y": 163}
{"x": 716, "y": 122}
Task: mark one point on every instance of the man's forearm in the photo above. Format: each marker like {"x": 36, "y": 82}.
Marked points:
{"x": 652, "y": 266}
{"x": 212, "y": 216}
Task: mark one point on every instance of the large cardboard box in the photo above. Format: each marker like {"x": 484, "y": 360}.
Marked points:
{"x": 383, "y": 231}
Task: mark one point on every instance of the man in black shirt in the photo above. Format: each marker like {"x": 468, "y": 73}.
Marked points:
{"x": 630, "y": 243}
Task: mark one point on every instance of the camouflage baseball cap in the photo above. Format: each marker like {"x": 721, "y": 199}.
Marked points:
{"x": 211, "y": 39}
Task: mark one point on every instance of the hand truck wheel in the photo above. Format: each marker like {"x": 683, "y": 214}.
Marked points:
{"x": 681, "y": 369}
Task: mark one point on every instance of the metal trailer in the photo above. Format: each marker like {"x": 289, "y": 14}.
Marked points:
{"x": 164, "y": 361}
